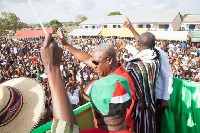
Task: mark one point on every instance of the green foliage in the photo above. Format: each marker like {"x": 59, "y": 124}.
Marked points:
{"x": 183, "y": 16}
{"x": 9, "y": 21}
{"x": 70, "y": 23}
{"x": 55, "y": 24}
{"x": 76, "y": 23}
{"x": 114, "y": 13}
{"x": 46, "y": 25}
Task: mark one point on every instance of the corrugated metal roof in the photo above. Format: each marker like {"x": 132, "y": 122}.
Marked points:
{"x": 32, "y": 33}
{"x": 192, "y": 19}
{"x": 142, "y": 18}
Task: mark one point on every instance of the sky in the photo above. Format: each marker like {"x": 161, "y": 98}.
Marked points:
{"x": 67, "y": 10}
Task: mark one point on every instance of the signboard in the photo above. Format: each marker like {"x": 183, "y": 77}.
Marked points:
{"x": 195, "y": 39}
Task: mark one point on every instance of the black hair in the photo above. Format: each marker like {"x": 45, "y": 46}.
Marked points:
{"x": 147, "y": 40}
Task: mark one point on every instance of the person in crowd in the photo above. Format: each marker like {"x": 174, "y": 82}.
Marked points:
{"x": 73, "y": 95}
{"x": 188, "y": 75}
{"x": 183, "y": 47}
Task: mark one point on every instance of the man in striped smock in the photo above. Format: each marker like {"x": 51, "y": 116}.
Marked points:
{"x": 144, "y": 69}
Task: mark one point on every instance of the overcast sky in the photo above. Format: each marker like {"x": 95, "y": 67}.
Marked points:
{"x": 67, "y": 10}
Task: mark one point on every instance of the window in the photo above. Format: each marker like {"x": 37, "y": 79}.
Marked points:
{"x": 140, "y": 26}
{"x": 93, "y": 27}
{"x": 164, "y": 27}
{"x": 191, "y": 28}
{"x": 86, "y": 27}
{"x": 105, "y": 26}
{"x": 119, "y": 26}
{"x": 114, "y": 26}
{"x": 148, "y": 26}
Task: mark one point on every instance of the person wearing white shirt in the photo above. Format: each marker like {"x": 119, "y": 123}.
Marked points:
{"x": 164, "y": 82}
{"x": 12, "y": 51}
{"x": 73, "y": 97}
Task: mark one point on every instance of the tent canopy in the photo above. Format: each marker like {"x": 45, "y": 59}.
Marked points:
{"x": 123, "y": 32}
{"x": 32, "y": 33}
{"x": 171, "y": 35}
{"x": 85, "y": 32}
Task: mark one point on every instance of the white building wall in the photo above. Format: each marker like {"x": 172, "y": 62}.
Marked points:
{"x": 101, "y": 26}
{"x": 155, "y": 26}
{"x": 197, "y": 26}
{"x": 176, "y": 24}
{"x": 187, "y": 26}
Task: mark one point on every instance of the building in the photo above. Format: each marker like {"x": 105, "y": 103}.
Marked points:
{"x": 167, "y": 21}
{"x": 191, "y": 23}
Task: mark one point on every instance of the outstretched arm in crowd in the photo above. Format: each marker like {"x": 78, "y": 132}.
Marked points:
{"x": 82, "y": 56}
{"x": 122, "y": 42}
{"x": 51, "y": 56}
{"x": 128, "y": 24}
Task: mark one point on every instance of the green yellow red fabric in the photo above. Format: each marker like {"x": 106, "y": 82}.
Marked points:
{"x": 122, "y": 72}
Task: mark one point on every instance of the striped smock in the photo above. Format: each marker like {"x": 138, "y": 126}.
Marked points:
{"x": 144, "y": 75}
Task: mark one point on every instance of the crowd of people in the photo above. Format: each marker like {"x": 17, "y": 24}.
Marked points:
{"x": 184, "y": 59}
{"x": 21, "y": 58}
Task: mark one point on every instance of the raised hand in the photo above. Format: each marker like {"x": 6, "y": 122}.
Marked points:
{"x": 127, "y": 23}
{"x": 51, "y": 54}
{"x": 122, "y": 43}
{"x": 61, "y": 37}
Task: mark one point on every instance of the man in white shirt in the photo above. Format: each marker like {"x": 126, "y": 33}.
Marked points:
{"x": 73, "y": 97}
{"x": 163, "y": 88}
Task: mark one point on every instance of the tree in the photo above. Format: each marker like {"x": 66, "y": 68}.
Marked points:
{"x": 114, "y": 13}
{"x": 9, "y": 21}
{"x": 70, "y": 23}
{"x": 80, "y": 18}
{"x": 183, "y": 16}
{"x": 76, "y": 23}
{"x": 55, "y": 24}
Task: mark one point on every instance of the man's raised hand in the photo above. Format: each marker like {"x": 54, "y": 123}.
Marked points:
{"x": 127, "y": 23}
{"x": 51, "y": 54}
{"x": 61, "y": 37}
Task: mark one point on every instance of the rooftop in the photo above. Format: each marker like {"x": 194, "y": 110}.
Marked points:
{"x": 192, "y": 19}
{"x": 142, "y": 18}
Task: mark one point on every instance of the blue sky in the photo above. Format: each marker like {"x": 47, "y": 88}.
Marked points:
{"x": 67, "y": 10}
